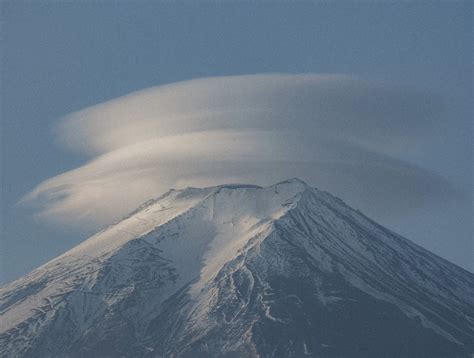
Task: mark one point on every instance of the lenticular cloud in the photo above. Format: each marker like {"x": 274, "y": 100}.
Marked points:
{"x": 344, "y": 134}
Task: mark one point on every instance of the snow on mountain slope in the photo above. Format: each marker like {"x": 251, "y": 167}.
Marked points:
{"x": 240, "y": 270}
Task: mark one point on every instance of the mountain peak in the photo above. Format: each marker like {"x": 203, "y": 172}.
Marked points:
{"x": 242, "y": 270}
{"x": 292, "y": 181}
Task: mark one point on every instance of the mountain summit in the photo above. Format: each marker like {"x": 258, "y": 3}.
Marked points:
{"x": 242, "y": 271}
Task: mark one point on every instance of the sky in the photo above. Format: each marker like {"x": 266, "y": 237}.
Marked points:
{"x": 64, "y": 65}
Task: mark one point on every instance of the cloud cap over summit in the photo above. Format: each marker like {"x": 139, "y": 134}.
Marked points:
{"x": 345, "y": 134}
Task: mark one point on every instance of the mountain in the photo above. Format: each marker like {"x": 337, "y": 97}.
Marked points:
{"x": 242, "y": 271}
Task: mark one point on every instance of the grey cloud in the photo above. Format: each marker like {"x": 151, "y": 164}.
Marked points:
{"x": 340, "y": 133}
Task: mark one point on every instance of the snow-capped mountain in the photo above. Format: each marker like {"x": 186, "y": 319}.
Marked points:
{"x": 242, "y": 271}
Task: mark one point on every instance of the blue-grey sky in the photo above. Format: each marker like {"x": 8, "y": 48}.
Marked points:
{"x": 59, "y": 58}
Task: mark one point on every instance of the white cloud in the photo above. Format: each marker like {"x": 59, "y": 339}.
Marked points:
{"x": 343, "y": 134}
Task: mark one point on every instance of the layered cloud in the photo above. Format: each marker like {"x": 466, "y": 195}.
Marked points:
{"x": 350, "y": 136}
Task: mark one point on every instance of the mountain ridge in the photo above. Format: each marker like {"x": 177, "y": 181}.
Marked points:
{"x": 227, "y": 270}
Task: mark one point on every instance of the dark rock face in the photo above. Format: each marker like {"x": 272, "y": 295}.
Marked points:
{"x": 242, "y": 271}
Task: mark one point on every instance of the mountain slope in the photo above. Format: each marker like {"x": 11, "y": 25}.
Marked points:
{"x": 242, "y": 271}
